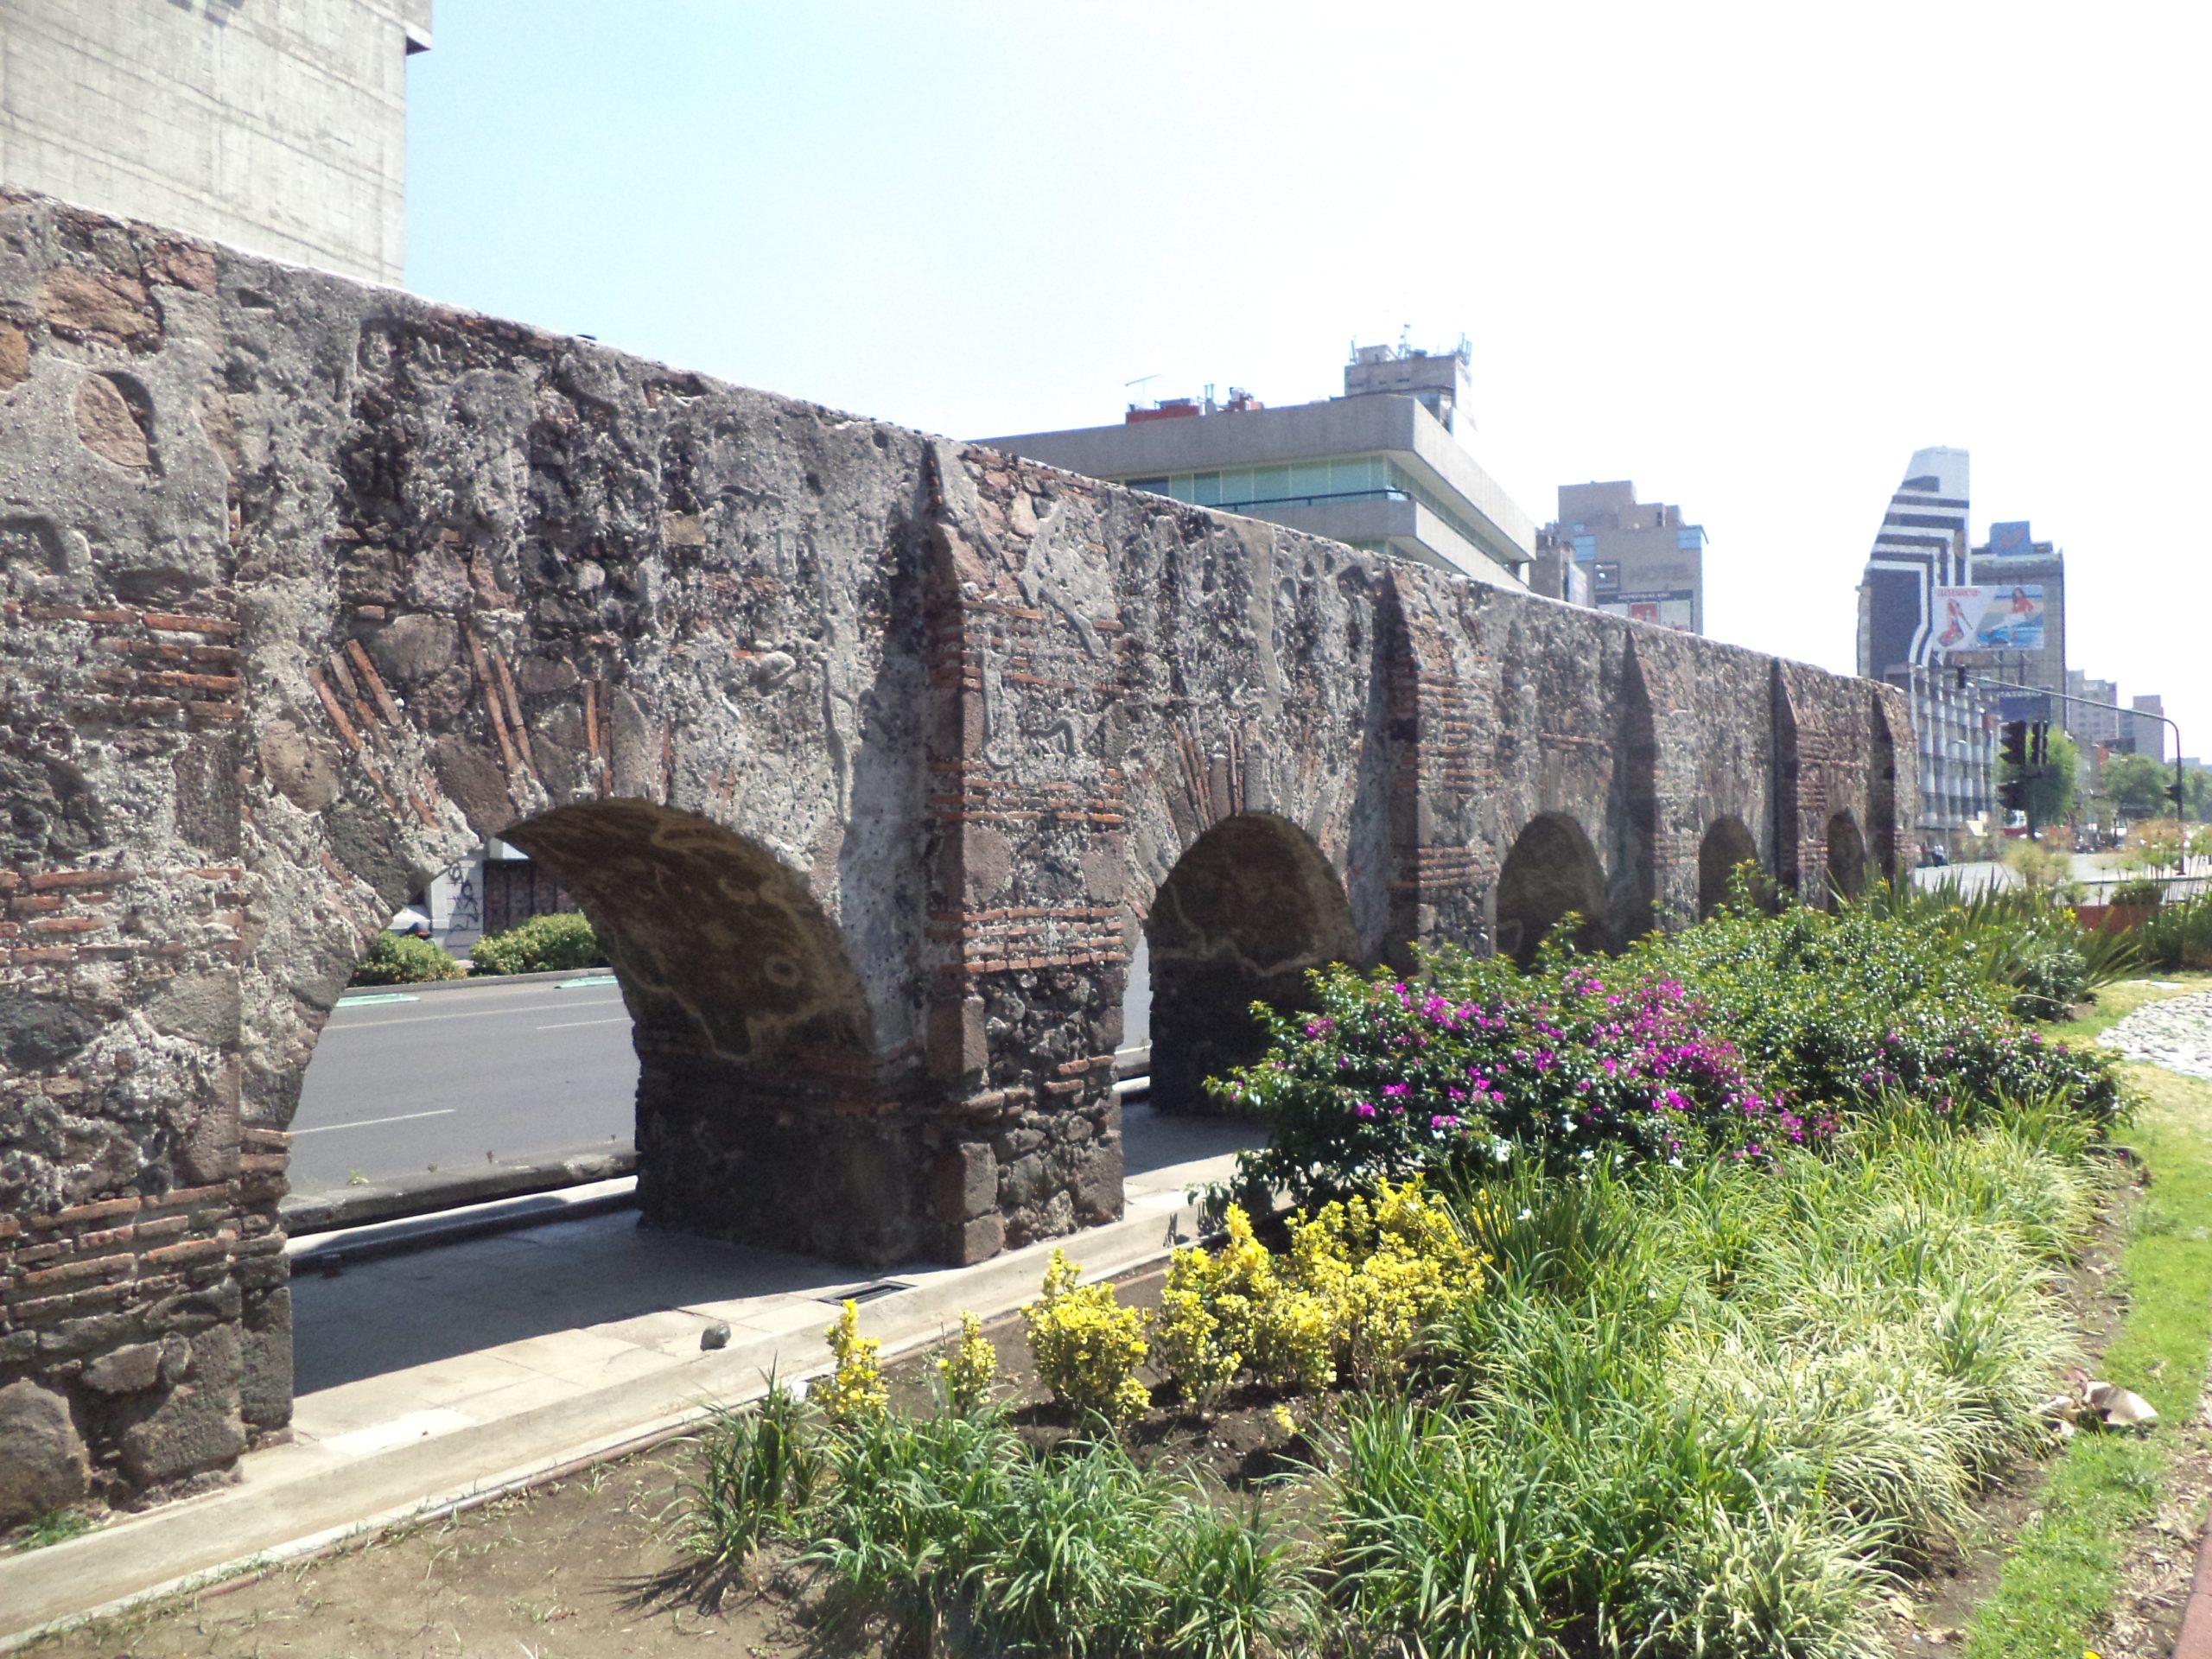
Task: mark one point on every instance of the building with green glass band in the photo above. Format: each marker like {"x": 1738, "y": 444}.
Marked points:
{"x": 1381, "y": 467}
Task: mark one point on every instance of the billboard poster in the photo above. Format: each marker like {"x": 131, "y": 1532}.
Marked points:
{"x": 2007, "y": 616}
{"x": 1673, "y": 608}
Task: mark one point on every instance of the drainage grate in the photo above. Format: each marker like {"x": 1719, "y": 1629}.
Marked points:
{"x": 875, "y": 1291}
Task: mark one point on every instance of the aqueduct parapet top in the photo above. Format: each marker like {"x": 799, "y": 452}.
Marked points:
{"x": 866, "y": 751}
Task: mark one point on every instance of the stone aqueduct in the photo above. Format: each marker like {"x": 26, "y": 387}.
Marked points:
{"x": 870, "y": 754}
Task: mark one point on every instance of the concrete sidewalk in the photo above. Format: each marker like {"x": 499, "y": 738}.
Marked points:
{"x": 430, "y": 1379}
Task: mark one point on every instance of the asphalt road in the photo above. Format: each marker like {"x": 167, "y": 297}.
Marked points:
{"x": 446, "y": 1079}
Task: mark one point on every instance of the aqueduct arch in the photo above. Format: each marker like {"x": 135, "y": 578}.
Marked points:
{"x": 766, "y": 1111}
{"x": 1552, "y": 870}
{"x": 1726, "y": 846}
{"x": 1248, "y": 911}
{"x": 1847, "y": 857}
{"x": 377, "y": 580}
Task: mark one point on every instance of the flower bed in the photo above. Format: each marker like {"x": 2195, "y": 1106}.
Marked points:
{"x": 1675, "y": 1303}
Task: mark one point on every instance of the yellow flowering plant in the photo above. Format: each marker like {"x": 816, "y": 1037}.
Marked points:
{"x": 1086, "y": 1346}
{"x": 855, "y": 1390}
{"x": 970, "y": 1367}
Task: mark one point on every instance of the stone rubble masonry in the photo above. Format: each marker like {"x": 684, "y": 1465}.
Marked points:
{"x": 871, "y": 755}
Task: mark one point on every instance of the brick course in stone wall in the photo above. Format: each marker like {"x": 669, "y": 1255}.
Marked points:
{"x": 871, "y": 756}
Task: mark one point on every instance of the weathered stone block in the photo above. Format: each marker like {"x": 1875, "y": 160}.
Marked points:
{"x": 125, "y": 1370}
{"x": 978, "y": 1240}
{"x": 967, "y": 1180}
{"x": 42, "y": 1463}
{"x": 266, "y": 1383}
{"x": 198, "y": 1427}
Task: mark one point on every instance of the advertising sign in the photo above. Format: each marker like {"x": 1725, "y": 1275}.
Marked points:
{"x": 1675, "y": 608}
{"x": 2006, "y": 617}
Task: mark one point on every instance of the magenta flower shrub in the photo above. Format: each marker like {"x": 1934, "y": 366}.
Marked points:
{"x": 1739, "y": 1037}
{"x": 1477, "y": 1065}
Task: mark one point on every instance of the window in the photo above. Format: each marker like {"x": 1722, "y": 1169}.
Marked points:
{"x": 1355, "y": 475}
{"x": 1156, "y": 486}
{"x": 1585, "y": 548}
{"x": 1205, "y": 489}
{"x": 1689, "y": 538}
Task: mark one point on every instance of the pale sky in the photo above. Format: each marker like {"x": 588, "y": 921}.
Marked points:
{"x": 1749, "y": 255}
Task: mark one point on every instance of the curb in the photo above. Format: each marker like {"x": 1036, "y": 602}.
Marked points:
{"x": 473, "y": 982}
{"x": 2194, "y": 1640}
{"x": 417, "y": 1195}
{"x": 349, "y": 1246}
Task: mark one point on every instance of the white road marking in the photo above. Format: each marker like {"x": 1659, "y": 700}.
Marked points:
{"x": 370, "y": 1123}
{"x": 570, "y": 1025}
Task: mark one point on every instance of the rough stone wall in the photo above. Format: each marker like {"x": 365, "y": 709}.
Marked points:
{"x": 869, "y": 754}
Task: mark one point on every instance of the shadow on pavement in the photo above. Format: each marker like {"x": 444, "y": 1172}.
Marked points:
{"x": 389, "y": 1314}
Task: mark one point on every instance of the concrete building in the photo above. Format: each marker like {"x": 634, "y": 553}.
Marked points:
{"x": 1555, "y": 573}
{"x": 2148, "y": 727}
{"x": 1383, "y": 468}
{"x": 2100, "y": 725}
{"x": 1955, "y": 733}
{"x": 278, "y": 128}
{"x": 2022, "y": 576}
{"x": 1638, "y": 559}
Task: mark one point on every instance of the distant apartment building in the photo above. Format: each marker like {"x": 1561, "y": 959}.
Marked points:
{"x": 2147, "y": 726}
{"x": 2095, "y": 726}
{"x": 1555, "y": 573}
{"x": 2019, "y": 589}
{"x": 1385, "y": 466}
{"x": 1906, "y": 631}
{"x": 1954, "y": 734}
{"x": 1633, "y": 559}
{"x": 278, "y": 128}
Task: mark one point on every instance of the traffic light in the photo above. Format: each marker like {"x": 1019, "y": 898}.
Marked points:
{"x": 1963, "y": 676}
{"x": 2013, "y": 751}
{"x": 2039, "y": 744}
{"x": 2013, "y": 794}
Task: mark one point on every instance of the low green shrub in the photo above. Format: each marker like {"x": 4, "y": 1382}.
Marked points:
{"x": 541, "y": 944}
{"x": 1713, "y": 1410}
{"x": 2177, "y": 936}
{"x": 2140, "y": 891}
{"x": 932, "y": 1525}
{"x": 758, "y": 1472}
{"x": 402, "y": 959}
{"x": 1706, "y": 1410}
{"x": 1744, "y": 1035}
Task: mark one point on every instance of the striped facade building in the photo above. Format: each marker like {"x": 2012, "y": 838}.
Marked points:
{"x": 1922, "y": 546}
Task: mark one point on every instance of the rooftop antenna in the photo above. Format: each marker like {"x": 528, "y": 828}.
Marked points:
{"x": 1142, "y": 380}
{"x": 1405, "y": 339}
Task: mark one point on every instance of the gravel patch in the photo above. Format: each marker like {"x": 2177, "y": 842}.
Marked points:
{"x": 2176, "y": 1034}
